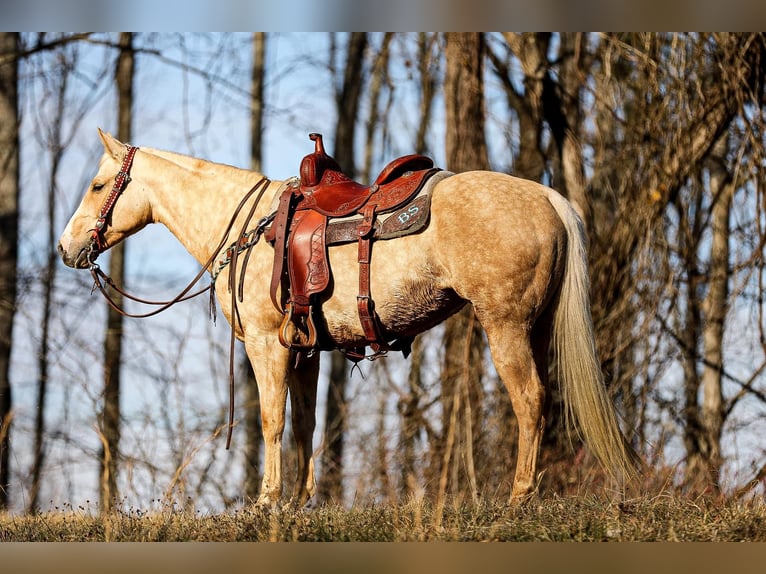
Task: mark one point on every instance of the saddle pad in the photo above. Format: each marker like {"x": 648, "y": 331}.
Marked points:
{"x": 410, "y": 218}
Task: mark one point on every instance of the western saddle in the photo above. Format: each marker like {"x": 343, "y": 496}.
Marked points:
{"x": 325, "y": 207}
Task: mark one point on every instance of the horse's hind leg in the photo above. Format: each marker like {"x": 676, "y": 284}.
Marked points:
{"x": 520, "y": 360}
{"x": 302, "y": 383}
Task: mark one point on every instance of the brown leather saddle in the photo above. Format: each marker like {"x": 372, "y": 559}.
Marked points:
{"x": 326, "y": 207}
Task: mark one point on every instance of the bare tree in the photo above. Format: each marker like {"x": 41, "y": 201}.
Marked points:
{"x": 462, "y": 370}
{"x": 715, "y": 307}
{"x": 110, "y": 422}
{"x": 378, "y": 80}
{"x": 252, "y": 400}
{"x": 410, "y": 405}
{"x": 9, "y": 217}
{"x": 526, "y": 102}
{"x": 348, "y": 96}
{"x": 694, "y": 176}
{"x": 56, "y": 146}
{"x": 428, "y": 65}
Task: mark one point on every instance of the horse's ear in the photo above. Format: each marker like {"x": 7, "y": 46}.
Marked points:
{"x": 112, "y": 145}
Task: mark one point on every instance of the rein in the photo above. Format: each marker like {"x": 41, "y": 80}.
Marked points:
{"x": 101, "y": 280}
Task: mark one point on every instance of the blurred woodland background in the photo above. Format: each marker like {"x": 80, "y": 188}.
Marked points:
{"x": 657, "y": 139}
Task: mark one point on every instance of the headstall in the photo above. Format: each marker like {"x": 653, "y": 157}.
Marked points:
{"x": 120, "y": 183}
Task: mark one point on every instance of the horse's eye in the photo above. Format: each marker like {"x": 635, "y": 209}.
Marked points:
{"x": 98, "y": 186}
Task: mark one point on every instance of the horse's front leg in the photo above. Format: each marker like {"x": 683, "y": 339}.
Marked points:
{"x": 271, "y": 364}
{"x": 302, "y": 383}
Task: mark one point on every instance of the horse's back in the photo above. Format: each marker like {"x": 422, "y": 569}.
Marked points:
{"x": 495, "y": 203}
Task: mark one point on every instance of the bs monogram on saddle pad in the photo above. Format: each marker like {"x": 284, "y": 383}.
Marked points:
{"x": 325, "y": 207}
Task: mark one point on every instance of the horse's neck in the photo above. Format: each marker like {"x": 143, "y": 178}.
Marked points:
{"x": 196, "y": 199}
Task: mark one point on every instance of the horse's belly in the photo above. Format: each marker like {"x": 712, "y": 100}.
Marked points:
{"x": 408, "y": 288}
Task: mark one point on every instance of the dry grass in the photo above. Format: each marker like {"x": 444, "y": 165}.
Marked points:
{"x": 554, "y": 518}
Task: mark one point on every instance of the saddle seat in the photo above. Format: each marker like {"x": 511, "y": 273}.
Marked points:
{"x": 301, "y": 274}
{"x": 326, "y": 189}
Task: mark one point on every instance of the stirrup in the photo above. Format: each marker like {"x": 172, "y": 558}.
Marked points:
{"x": 311, "y": 339}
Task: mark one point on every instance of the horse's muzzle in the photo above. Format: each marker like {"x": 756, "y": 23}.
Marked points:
{"x": 78, "y": 261}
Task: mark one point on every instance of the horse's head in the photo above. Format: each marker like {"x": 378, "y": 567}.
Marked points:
{"x": 106, "y": 215}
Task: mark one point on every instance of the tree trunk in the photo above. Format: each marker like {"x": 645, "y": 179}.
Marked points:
{"x": 466, "y": 149}
{"x": 466, "y": 145}
{"x": 532, "y": 52}
{"x": 379, "y": 78}
{"x": 409, "y": 404}
{"x": 561, "y": 103}
{"x": 715, "y": 307}
{"x": 56, "y": 146}
{"x": 252, "y": 401}
{"x": 411, "y": 416}
{"x": 704, "y": 460}
{"x": 258, "y": 80}
{"x": 9, "y": 221}
{"x": 348, "y": 98}
{"x": 110, "y": 423}
{"x": 331, "y": 481}
{"x": 426, "y": 64}
{"x": 330, "y": 487}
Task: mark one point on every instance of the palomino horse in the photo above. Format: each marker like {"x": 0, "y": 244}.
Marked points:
{"x": 512, "y": 248}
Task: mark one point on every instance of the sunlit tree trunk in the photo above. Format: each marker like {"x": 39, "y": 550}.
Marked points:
{"x": 716, "y": 306}
{"x": 9, "y": 221}
{"x": 705, "y": 459}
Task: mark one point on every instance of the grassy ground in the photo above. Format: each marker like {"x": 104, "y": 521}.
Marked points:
{"x": 554, "y": 518}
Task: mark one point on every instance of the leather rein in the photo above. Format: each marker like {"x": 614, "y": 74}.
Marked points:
{"x": 101, "y": 280}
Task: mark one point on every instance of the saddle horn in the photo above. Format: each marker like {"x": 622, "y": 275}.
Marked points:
{"x": 319, "y": 146}
{"x": 315, "y": 164}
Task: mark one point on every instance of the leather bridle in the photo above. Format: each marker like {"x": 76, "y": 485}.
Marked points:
{"x": 101, "y": 279}
{"x": 122, "y": 180}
